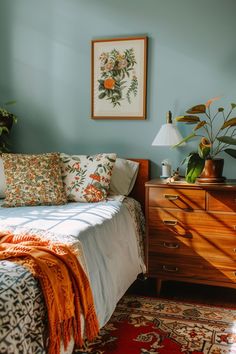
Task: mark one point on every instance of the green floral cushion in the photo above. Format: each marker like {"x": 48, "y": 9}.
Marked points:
{"x": 33, "y": 180}
{"x": 87, "y": 178}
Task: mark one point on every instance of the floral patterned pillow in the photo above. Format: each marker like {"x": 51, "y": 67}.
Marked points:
{"x": 33, "y": 180}
{"x": 87, "y": 178}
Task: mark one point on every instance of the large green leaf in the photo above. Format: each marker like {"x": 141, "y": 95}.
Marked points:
{"x": 194, "y": 167}
{"x": 187, "y": 138}
{"x": 227, "y": 140}
{"x": 231, "y": 152}
{"x": 200, "y": 108}
{"x": 188, "y": 119}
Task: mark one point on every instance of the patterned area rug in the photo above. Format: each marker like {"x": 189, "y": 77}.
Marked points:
{"x": 144, "y": 325}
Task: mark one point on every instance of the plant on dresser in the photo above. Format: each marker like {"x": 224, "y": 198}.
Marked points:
{"x": 191, "y": 232}
{"x": 215, "y": 132}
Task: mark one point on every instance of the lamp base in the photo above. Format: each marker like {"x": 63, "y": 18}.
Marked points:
{"x": 165, "y": 169}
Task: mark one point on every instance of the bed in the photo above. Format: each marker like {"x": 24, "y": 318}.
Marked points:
{"x": 108, "y": 238}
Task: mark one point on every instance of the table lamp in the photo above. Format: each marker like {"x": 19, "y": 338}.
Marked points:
{"x": 168, "y": 135}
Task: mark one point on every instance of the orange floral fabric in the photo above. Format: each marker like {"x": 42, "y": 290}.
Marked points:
{"x": 65, "y": 286}
{"x": 33, "y": 179}
{"x": 87, "y": 177}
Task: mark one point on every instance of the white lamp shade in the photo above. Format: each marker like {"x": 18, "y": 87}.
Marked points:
{"x": 168, "y": 135}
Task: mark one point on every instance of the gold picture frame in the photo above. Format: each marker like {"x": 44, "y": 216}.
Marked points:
{"x": 119, "y": 78}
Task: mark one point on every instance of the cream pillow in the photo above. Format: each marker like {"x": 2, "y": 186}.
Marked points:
{"x": 2, "y": 180}
{"x": 124, "y": 176}
{"x": 87, "y": 178}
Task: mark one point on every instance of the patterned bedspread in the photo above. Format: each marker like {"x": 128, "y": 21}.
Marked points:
{"x": 22, "y": 307}
{"x": 23, "y": 319}
{"x": 21, "y": 311}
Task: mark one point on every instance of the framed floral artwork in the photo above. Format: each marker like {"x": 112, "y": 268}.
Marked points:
{"x": 119, "y": 75}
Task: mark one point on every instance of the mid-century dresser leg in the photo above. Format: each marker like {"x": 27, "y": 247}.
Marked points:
{"x": 158, "y": 286}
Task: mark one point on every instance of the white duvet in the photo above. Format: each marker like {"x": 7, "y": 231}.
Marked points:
{"x": 108, "y": 237}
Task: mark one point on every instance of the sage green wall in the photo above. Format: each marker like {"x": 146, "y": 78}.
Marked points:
{"x": 45, "y": 66}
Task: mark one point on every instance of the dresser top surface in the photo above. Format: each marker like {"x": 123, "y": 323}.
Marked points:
{"x": 228, "y": 185}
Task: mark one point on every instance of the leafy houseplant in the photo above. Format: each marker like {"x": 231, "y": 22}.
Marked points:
{"x": 7, "y": 119}
{"x": 216, "y": 133}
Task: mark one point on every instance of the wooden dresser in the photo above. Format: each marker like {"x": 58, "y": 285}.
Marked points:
{"x": 191, "y": 232}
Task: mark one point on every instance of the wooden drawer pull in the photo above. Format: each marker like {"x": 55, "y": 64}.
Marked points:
{"x": 171, "y": 196}
{"x": 171, "y": 245}
{"x": 170, "y": 269}
{"x": 170, "y": 222}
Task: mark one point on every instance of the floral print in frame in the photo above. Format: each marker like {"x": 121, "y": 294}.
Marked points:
{"x": 119, "y": 78}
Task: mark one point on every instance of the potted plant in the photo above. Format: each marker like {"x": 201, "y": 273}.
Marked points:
{"x": 7, "y": 119}
{"x": 216, "y": 132}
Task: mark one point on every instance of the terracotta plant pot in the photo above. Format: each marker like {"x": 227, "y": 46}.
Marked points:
{"x": 212, "y": 171}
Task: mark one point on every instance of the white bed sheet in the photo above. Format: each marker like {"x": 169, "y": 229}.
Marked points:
{"x": 107, "y": 234}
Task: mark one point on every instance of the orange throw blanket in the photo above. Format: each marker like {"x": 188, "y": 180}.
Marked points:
{"x": 65, "y": 286}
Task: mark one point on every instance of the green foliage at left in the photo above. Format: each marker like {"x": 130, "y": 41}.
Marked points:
{"x": 7, "y": 119}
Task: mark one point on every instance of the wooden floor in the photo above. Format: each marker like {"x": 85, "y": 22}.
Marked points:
{"x": 204, "y": 294}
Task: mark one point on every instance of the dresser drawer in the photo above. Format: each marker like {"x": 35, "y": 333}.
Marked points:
{"x": 207, "y": 247}
{"x": 177, "y": 198}
{"x": 222, "y": 201}
{"x": 190, "y": 268}
{"x": 187, "y": 224}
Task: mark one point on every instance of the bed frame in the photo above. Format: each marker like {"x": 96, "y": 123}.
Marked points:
{"x": 143, "y": 176}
